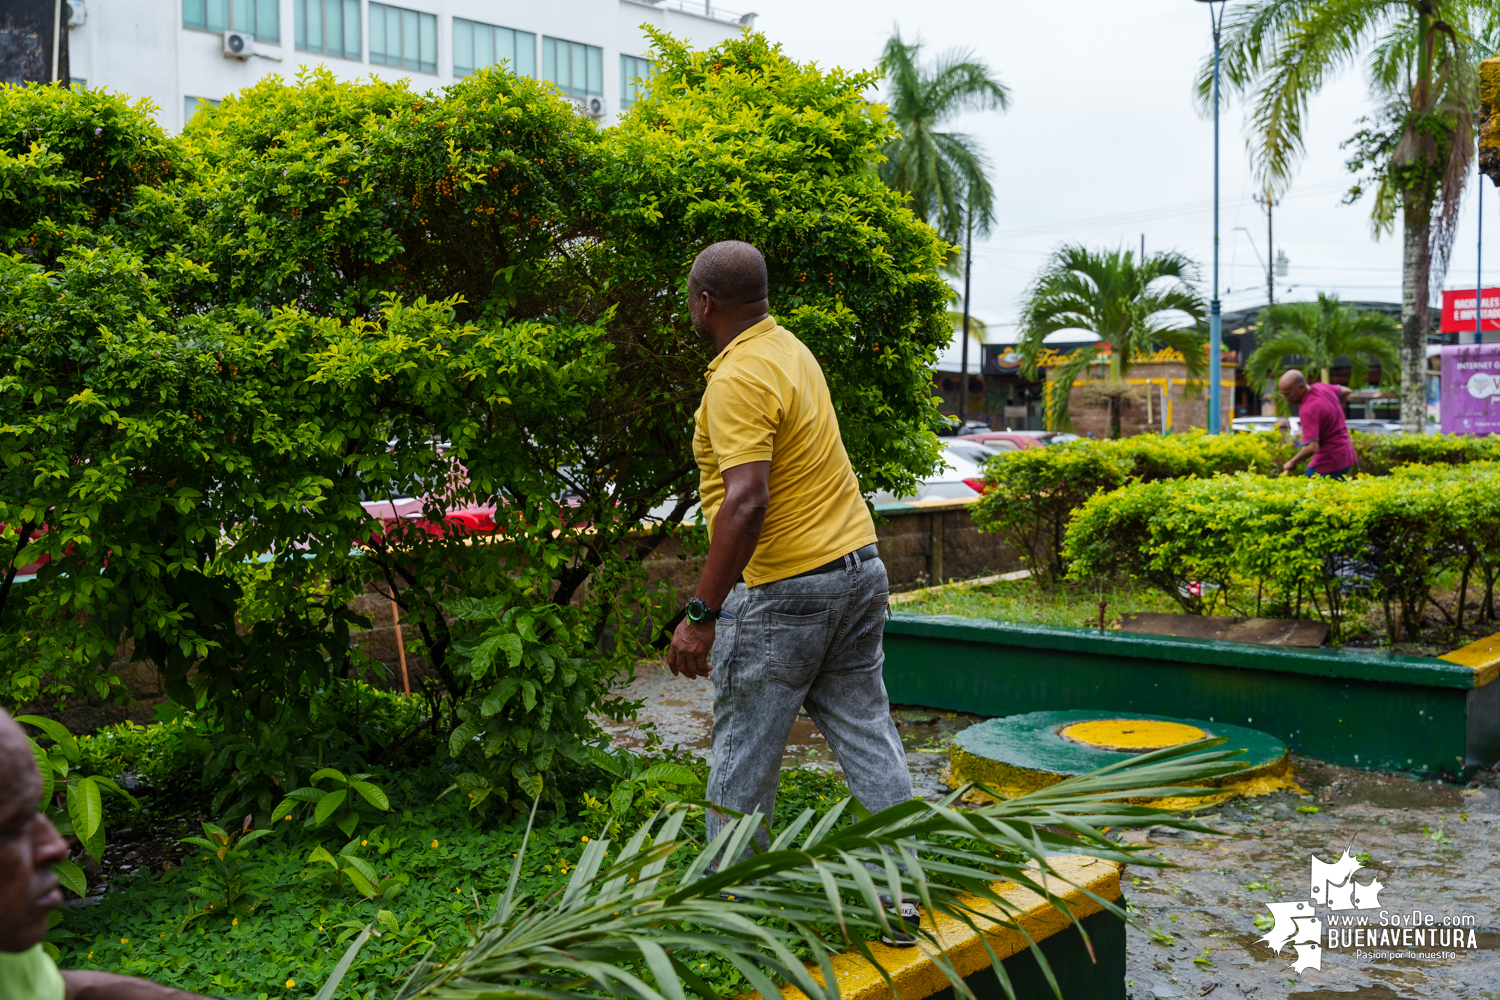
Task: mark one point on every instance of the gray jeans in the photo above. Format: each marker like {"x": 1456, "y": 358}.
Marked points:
{"x": 811, "y": 641}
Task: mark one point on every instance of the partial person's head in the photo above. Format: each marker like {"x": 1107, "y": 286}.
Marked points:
{"x": 1293, "y": 386}
{"x": 29, "y": 845}
{"x": 727, "y": 287}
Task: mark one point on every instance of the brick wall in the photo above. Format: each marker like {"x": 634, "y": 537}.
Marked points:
{"x": 1091, "y": 416}
{"x": 920, "y": 544}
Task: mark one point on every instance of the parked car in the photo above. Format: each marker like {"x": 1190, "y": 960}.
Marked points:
{"x": 1006, "y": 440}
{"x": 954, "y": 429}
{"x": 962, "y": 474}
{"x": 1249, "y": 425}
{"x": 1370, "y": 426}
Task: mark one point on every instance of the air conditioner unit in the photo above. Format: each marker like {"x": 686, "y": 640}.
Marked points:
{"x": 76, "y": 13}
{"x": 593, "y": 107}
{"x": 238, "y": 45}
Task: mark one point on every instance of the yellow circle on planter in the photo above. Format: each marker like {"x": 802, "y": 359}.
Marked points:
{"x": 1131, "y": 735}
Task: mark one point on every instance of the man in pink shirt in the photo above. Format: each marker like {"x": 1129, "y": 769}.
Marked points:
{"x": 1325, "y": 436}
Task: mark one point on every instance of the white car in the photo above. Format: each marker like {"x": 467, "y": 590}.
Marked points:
{"x": 1247, "y": 425}
{"x": 961, "y": 476}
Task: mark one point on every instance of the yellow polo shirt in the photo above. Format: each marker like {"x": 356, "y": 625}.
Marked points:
{"x": 767, "y": 400}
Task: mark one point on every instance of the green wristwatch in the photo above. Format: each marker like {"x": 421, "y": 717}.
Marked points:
{"x": 698, "y": 611}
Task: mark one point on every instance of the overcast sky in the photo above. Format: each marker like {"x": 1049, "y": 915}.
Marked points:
{"x": 1103, "y": 143}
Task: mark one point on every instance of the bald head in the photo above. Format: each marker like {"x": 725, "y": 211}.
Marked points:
{"x": 1292, "y": 385}
{"x": 17, "y": 765}
{"x": 727, "y": 291}
{"x": 734, "y": 273}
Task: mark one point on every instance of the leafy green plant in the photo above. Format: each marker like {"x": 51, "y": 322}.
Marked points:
{"x": 360, "y": 873}
{"x": 72, "y": 800}
{"x": 225, "y": 883}
{"x": 339, "y": 805}
{"x": 816, "y": 890}
{"x": 1030, "y": 495}
{"x": 641, "y": 778}
{"x": 1298, "y": 547}
{"x": 533, "y": 683}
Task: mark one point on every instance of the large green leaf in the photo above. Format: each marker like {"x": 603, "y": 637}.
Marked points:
{"x": 329, "y": 805}
{"x": 57, "y": 731}
{"x": 676, "y": 774}
{"x": 372, "y": 794}
{"x": 71, "y": 876}
{"x": 85, "y": 808}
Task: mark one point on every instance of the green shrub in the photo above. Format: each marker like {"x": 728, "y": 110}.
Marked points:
{"x": 1294, "y": 546}
{"x": 1381, "y": 454}
{"x": 334, "y": 292}
{"x": 1031, "y": 494}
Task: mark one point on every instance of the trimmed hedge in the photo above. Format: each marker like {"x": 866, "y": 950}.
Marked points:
{"x": 1299, "y": 547}
{"x": 1031, "y": 494}
{"x": 1380, "y": 454}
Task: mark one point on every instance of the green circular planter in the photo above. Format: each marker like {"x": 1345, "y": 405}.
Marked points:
{"x": 1022, "y": 753}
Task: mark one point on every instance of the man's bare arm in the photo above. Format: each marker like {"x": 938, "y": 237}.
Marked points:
{"x": 84, "y": 985}
{"x": 1308, "y": 451}
{"x": 747, "y": 492}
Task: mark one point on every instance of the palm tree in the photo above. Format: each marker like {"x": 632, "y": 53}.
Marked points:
{"x": 1133, "y": 305}
{"x": 944, "y": 175}
{"x": 1422, "y": 57}
{"x": 1318, "y": 334}
{"x": 627, "y": 920}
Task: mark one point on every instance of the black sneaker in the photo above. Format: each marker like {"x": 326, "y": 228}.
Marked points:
{"x": 911, "y": 916}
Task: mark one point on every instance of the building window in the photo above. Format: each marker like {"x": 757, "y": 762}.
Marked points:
{"x": 260, "y": 18}
{"x": 633, "y": 73}
{"x": 477, "y": 45}
{"x": 577, "y": 68}
{"x": 403, "y": 38}
{"x": 329, "y": 26}
{"x": 190, "y": 105}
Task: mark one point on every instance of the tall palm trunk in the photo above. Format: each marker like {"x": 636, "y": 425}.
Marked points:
{"x": 1415, "y": 311}
{"x": 1416, "y": 258}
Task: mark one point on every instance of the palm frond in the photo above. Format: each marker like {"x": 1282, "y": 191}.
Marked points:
{"x": 624, "y": 927}
{"x": 944, "y": 175}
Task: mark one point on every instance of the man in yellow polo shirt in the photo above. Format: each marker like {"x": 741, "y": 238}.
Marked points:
{"x": 29, "y": 846}
{"x": 791, "y": 606}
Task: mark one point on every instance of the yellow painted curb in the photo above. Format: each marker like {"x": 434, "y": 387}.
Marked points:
{"x": 913, "y": 970}
{"x": 1481, "y": 656}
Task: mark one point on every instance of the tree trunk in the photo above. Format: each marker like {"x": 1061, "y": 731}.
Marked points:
{"x": 1417, "y": 222}
{"x": 1114, "y": 418}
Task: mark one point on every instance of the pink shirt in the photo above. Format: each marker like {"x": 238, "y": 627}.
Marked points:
{"x": 1322, "y": 417}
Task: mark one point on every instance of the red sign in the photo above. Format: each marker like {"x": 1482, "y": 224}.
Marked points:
{"x": 1458, "y": 311}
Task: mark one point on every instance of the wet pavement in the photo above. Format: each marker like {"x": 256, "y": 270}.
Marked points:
{"x": 681, "y": 711}
{"x": 1433, "y": 847}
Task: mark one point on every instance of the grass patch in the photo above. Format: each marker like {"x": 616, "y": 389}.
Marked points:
{"x": 1024, "y": 601}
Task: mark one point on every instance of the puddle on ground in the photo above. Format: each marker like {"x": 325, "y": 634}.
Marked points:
{"x": 1432, "y": 845}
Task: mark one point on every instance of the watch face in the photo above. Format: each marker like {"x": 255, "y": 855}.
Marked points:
{"x": 696, "y": 609}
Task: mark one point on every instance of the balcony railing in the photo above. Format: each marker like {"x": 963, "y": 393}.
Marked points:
{"x": 703, "y": 8}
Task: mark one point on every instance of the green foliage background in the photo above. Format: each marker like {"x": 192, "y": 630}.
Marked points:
{"x": 214, "y": 347}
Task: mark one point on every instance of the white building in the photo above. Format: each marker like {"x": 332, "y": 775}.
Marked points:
{"x": 182, "y": 52}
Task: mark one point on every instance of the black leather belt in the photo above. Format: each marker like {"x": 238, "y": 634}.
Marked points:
{"x": 870, "y": 551}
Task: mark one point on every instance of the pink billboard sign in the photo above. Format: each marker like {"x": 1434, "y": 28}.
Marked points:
{"x": 1471, "y": 389}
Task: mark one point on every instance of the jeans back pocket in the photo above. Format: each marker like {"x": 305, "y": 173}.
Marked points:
{"x": 796, "y": 645}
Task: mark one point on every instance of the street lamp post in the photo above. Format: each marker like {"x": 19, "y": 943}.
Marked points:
{"x": 1215, "y": 310}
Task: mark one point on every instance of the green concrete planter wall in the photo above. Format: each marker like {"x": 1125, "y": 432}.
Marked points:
{"x": 1362, "y": 708}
